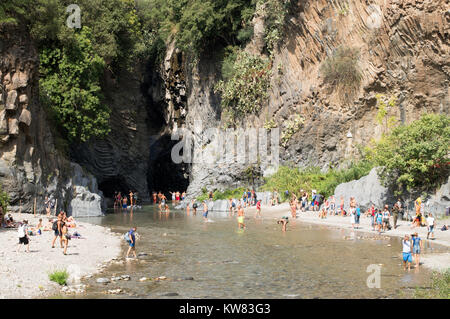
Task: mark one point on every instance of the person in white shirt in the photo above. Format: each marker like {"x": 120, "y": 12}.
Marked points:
{"x": 407, "y": 258}
{"x": 430, "y": 223}
{"x": 23, "y": 236}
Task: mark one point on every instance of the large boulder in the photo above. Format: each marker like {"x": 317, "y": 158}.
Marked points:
{"x": 85, "y": 203}
{"x": 366, "y": 190}
{"x": 439, "y": 203}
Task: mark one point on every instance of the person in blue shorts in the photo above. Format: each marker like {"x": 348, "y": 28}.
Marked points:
{"x": 132, "y": 242}
{"x": 205, "y": 211}
{"x": 379, "y": 219}
{"x": 407, "y": 258}
{"x": 417, "y": 246}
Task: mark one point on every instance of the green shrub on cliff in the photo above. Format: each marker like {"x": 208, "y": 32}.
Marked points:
{"x": 10, "y": 11}
{"x": 246, "y": 89}
{"x": 4, "y": 199}
{"x": 198, "y": 25}
{"x": 275, "y": 16}
{"x": 414, "y": 157}
{"x": 70, "y": 88}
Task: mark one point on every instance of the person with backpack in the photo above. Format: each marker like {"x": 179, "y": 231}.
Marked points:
{"x": 23, "y": 236}
{"x": 131, "y": 239}
{"x": 57, "y": 228}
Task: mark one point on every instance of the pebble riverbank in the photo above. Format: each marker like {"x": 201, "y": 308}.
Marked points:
{"x": 25, "y": 275}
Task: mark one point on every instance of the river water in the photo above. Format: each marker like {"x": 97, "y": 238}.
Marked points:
{"x": 216, "y": 260}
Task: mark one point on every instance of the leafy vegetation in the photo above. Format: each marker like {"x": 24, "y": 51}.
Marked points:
{"x": 10, "y": 11}
{"x": 341, "y": 69}
{"x": 275, "y": 15}
{"x": 245, "y": 89}
{"x": 384, "y": 106}
{"x": 295, "y": 179}
{"x": 292, "y": 127}
{"x": 414, "y": 157}
{"x": 4, "y": 199}
{"x": 70, "y": 87}
{"x": 440, "y": 287}
{"x": 226, "y": 194}
{"x": 198, "y": 25}
{"x": 59, "y": 276}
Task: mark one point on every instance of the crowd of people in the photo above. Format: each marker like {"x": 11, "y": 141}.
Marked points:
{"x": 59, "y": 225}
{"x": 123, "y": 202}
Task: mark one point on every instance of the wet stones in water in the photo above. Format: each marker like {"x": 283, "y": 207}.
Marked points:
{"x": 114, "y": 291}
{"x": 170, "y": 294}
{"x": 77, "y": 289}
{"x": 103, "y": 280}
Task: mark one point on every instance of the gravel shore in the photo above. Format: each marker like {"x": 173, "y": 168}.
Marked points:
{"x": 25, "y": 275}
{"x": 437, "y": 261}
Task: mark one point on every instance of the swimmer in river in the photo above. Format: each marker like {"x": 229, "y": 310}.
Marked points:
{"x": 241, "y": 216}
{"x": 205, "y": 211}
{"x": 284, "y": 221}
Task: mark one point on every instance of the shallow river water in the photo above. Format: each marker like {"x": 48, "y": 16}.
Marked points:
{"x": 216, "y": 260}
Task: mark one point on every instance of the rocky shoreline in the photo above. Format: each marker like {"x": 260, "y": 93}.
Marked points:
{"x": 25, "y": 275}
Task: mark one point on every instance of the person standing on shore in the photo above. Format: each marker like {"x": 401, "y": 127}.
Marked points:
{"x": 57, "y": 228}
{"x": 342, "y": 205}
{"x": 188, "y": 208}
{"x": 395, "y": 212}
{"x": 240, "y": 218}
{"x": 358, "y": 215}
{"x": 386, "y": 215}
{"x": 417, "y": 246}
{"x": 65, "y": 237}
{"x": 407, "y": 259}
{"x": 293, "y": 208}
{"x": 132, "y": 242}
{"x": 430, "y": 223}
{"x": 23, "y": 236}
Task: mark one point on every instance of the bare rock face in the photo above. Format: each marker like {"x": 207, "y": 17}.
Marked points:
{"x": 30, "y": 166}
{"x": 25, "y": 117}
{"x": 403, "y": 53}
{"x": 11, "y": 100}
{"x": 13, "y": 127}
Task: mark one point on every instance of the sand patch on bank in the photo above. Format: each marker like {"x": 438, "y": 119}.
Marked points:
{"x": 25, "y": 275}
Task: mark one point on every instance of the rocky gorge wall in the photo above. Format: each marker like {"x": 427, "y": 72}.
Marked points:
{"x": 404, "y": 53}
{"x": 30, "y": 165}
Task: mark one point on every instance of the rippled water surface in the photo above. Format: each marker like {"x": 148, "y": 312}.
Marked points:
{"x": 307, "y": 261}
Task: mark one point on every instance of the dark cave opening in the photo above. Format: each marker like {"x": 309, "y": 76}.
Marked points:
{"x": 114, "y": 184}
{"x": 163, "y": 174}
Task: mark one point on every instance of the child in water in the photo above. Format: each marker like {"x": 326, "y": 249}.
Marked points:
{"x": 241, "y": 217}
{"x": 284, "y": 221}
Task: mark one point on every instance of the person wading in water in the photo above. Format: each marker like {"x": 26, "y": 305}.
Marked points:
{"x": 241, "y": 216}
{"x": 205, "y": 211}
